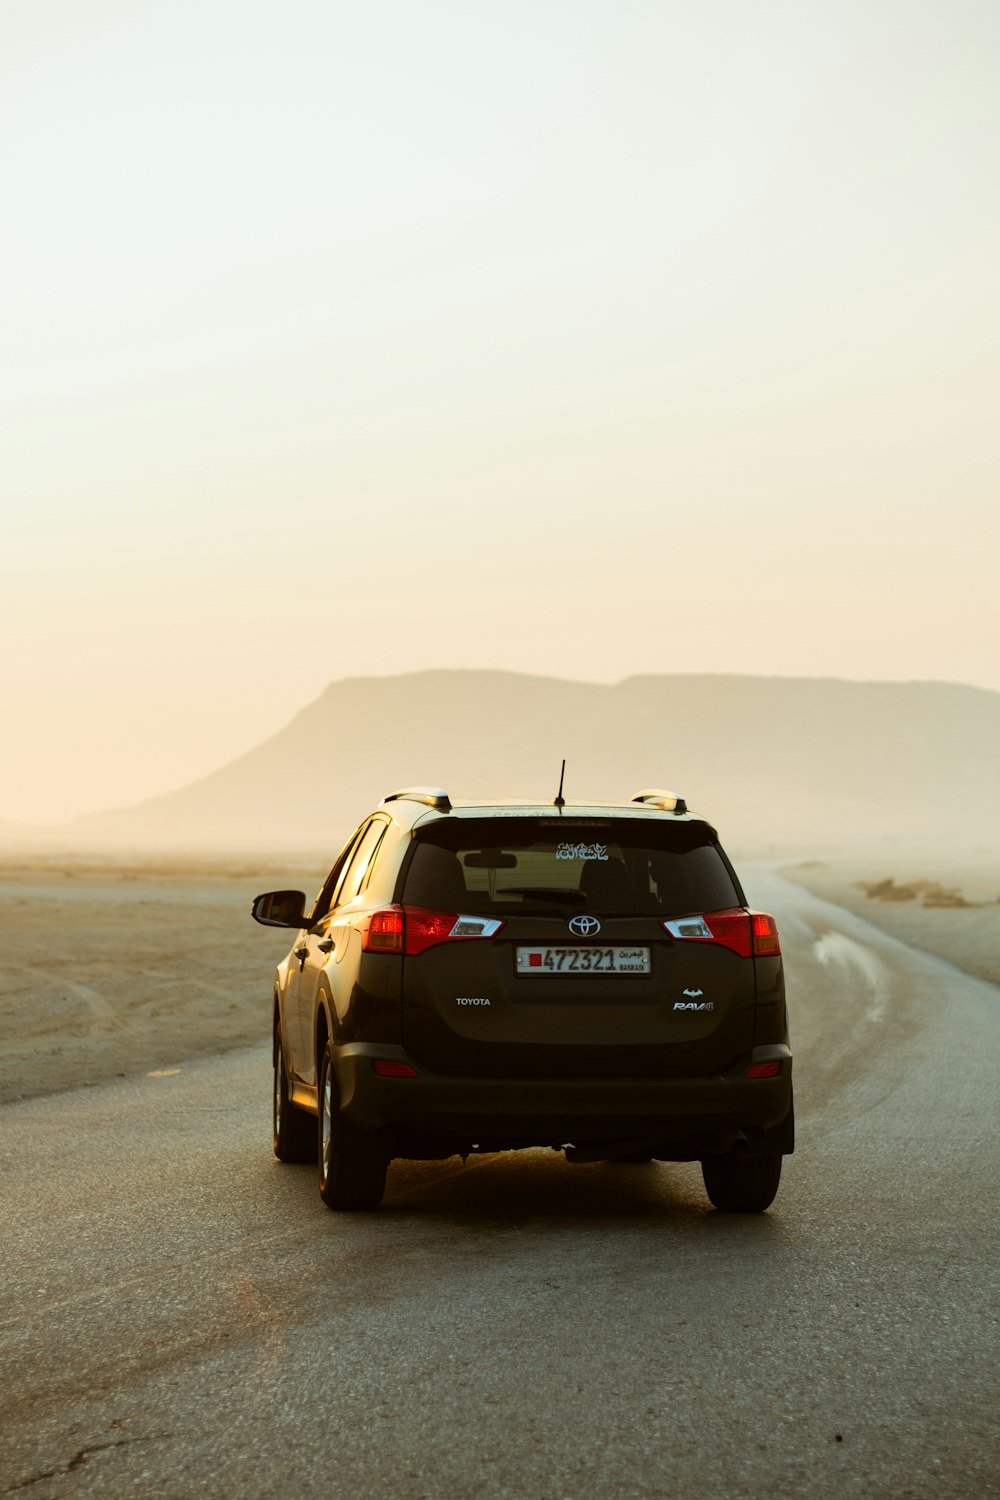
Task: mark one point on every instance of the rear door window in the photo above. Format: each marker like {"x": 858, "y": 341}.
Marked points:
{"x": 361, "y": 862}
{"x": 503, "y": 867}
{"x": 324, "y": 900}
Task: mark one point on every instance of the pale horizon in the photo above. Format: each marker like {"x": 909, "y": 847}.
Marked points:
{"x": 591, "y": 340}
{"x": 580, "y": 786}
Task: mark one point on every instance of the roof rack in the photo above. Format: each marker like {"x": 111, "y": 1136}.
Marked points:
{"x": 657, "y": 797}
{"x": 432, "y": 796}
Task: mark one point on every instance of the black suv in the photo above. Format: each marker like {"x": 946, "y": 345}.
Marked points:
{"x": 479, "y": 977}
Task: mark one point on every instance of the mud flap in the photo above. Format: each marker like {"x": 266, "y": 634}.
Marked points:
{"x": 780, "y": 1140}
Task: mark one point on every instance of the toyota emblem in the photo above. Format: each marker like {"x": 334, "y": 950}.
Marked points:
{"x": 584, "y": 926}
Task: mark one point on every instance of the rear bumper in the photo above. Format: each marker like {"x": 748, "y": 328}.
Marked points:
{"x": 683, "y": 1115}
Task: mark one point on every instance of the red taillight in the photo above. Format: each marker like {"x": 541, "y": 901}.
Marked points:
{"x": 383, "y": 932}
{"x": 763, "y": 1070}
{"x": 411, "y": 929}
{"x": 385, "y": 1068}
{"x": 426, "y": 928}
{"x": 743, "y": 932}
{"x": 731, "y": 929}
{"x": 765, "y": 933}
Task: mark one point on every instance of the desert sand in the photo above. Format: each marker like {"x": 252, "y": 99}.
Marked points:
{"x": 117, "y": 966}
{"x": 949, "y": 907}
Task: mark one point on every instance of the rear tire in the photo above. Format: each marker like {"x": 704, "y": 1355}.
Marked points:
{"x": 349, "y": 1178}
{"x": 741, "y": 1184}
{"x": 294, "y": 1130}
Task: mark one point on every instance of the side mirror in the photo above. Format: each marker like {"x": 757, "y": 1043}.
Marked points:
{"x": 280, "y": 909}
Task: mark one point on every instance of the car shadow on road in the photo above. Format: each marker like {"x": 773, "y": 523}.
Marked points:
{"x": 523, "y": 1227}
{"x": 518, "y": 1188}
{"x": 493, "y": 1198}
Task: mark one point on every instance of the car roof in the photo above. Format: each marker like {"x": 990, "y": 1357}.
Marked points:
{"x": 409, "y": 812}
{"x": 513, "y": 808}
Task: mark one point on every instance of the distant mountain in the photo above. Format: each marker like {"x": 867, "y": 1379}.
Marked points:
{"x": 793, "y": 763}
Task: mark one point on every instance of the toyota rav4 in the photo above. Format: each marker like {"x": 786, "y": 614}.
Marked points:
{"x": 479, "y": 977}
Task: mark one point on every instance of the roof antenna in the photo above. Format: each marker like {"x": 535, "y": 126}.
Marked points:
{"x": 560, "y": 799}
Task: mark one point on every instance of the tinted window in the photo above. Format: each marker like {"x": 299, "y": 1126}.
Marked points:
{"x": 523, "y": 865}
{"x": 360, "y": 862}
{"x": 323, "y": 901}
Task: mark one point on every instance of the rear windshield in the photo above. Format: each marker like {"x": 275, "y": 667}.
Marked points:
{"x": 542, "y": 865}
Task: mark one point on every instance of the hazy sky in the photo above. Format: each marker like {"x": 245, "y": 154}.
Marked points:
{"x": 587, "y": 337}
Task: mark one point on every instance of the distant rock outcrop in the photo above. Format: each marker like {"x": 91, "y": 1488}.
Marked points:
{"x": 792, "y": 763}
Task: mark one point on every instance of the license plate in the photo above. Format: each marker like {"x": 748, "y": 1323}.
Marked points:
{"x": 589, "y": 960}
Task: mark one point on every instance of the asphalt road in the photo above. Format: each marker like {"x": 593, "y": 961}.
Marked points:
{"x": 182, "y": 1317}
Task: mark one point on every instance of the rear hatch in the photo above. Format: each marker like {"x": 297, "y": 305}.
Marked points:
{"x": 565, "y": 965}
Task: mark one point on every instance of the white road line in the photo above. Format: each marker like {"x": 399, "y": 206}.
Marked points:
{"x": 837, "y": 950}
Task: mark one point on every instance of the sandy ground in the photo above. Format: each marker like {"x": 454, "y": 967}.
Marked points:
{"x": 967, "y": 936}
{"x": 113, "y": 967}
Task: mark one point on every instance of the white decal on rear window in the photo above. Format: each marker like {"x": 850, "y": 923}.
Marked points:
{"x": 582, "y": 851}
